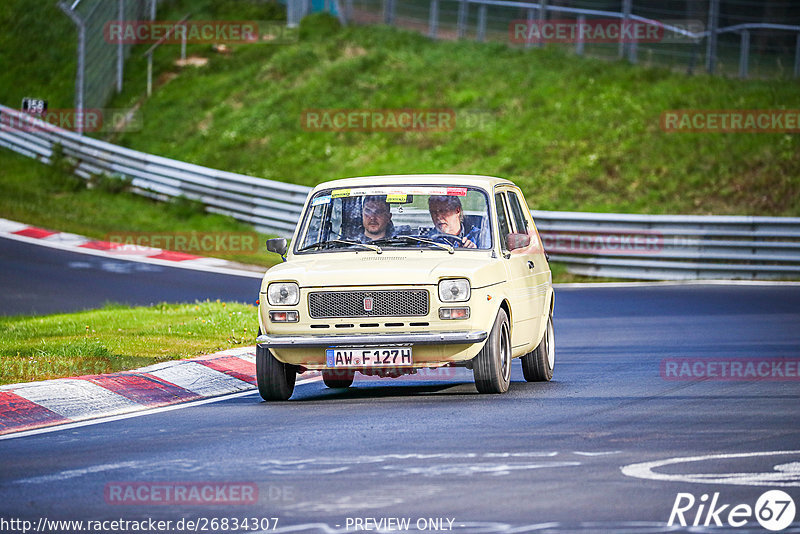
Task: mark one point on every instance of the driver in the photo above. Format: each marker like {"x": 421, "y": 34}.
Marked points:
{"x": 376, "y": 217}
{"x": 448, "y": 218}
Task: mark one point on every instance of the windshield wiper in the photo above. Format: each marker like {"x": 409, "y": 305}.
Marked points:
{"x": 329, "y": 242}
{"x": 411, "y": 238}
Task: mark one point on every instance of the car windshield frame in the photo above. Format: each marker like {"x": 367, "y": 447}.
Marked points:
{"x": 398, "y": 196}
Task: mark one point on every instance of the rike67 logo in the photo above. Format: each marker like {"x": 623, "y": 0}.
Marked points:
{"x": 774, "y": 510}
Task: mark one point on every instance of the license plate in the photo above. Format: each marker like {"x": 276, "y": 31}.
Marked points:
{"x": 374, "y": 357}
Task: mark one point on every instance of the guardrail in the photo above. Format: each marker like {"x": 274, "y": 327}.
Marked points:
{"x": 595, "y": 244}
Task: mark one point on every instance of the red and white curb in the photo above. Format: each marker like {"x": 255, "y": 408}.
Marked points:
{"x": 68, "y": 400}
{"x": 85, "y": 245}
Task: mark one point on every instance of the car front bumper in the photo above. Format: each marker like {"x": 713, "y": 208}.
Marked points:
{"x": 371, "y": 340}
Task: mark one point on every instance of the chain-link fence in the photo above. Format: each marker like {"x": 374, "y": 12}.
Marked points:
{"x": 746, "y": 38}
{"x": 100, "y": 62}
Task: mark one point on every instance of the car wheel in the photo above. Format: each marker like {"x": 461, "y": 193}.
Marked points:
{"x": 492, "y": 365}
{"x": 275, "y": 379}
{"x": 338, "y": 378}
{"x": 537, "y": 365}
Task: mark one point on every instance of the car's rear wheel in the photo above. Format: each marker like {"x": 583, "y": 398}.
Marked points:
{"x": 492, "y": 366}
{"x": 338, "y": 378}
{"x": 275, "y": 379}
{"x": 537, "y": 365}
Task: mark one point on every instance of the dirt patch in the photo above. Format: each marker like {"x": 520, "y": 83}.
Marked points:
{"x": 192, "y": 61}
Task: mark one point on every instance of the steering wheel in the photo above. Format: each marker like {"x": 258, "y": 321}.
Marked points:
{"x": 448, "y": 239}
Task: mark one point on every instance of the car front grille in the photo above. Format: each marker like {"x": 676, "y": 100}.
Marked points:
{"x": 385, "y": 303}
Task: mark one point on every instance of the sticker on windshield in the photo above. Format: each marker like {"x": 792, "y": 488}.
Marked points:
{"x": 398, "y": 194}
{"x": 321, "y": 200}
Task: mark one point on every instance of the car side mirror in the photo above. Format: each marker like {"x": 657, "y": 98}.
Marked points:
{"x": 278, "y": 245}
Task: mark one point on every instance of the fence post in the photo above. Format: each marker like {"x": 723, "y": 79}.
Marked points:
{"x": 579, "y": 38}
{"x": 744, "y": 54}
{"x": 529, "y": 18}
{"x": 433, "y": 19}
{"x": 388, "y": 12}
{"x": 481, "y": 23}
{"x": 797, "y": 58}
{"x": 462, "y": 18}
{"x": 81, "y": 74}
{"x": 626, "y": 18}
{"x": 713, "y": 24}
{"x": 348, "y": 11}
{"x": 633, "y": 51}
{"x": 542, "y": 18}
{"x": 120, "y": 48}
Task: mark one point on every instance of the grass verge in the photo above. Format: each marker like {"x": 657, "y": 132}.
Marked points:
{"x": 116, "y": 338}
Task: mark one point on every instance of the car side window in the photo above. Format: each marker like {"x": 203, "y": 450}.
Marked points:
{"x": 521, "y": 238}
{"x": 502, "y": 220}
{"x": 517, "y": 212}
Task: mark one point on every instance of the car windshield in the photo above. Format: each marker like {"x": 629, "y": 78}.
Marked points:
{"x": 386, "y": 217}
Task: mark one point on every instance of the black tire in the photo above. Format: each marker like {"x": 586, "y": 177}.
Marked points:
{"x": 275, "y": 379}
{"x": 537, "y": 365}
{"x": 492, "y": 366}
{"x": 338, "y": 378}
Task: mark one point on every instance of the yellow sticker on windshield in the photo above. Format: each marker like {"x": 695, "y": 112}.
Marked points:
{"x": 339, "y": 193}
{"x": 396, "y": 197}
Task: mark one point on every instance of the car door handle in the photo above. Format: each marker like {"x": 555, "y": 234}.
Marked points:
{"x": 530, "y": 264}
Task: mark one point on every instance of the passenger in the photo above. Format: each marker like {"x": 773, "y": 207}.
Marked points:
{"x": 448, "y": 218}
{"x": 376, "y": 218}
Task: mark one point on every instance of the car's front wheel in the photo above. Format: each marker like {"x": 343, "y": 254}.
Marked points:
{"x": 338, "y": 378}
{"x": 275, "y": 378}
{"x": 492, "y": 365}
{"x": 537, "y": 365}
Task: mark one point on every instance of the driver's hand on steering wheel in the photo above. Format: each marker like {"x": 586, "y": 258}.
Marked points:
{"x": 466, "y": 243}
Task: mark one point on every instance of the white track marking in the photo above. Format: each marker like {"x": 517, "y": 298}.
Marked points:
{"x": 76, "y": 399}
{"x": 783, "y": 475}
{"x": 69, "y": 426}
{"x": 200, "y": 379}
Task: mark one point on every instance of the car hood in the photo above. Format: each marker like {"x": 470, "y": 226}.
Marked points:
{"x": 368, "y": 268}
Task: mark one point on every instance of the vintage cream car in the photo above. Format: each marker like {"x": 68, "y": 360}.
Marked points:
{"x": 387, "y": 275}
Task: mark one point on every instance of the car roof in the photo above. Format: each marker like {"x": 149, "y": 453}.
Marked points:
{"x": 475, "y": 180}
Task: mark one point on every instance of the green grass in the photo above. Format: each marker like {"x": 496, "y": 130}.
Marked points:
{"x": 116, "y": 338}
{"x": 51, "y": 198}
{"x": 575, "y": 133}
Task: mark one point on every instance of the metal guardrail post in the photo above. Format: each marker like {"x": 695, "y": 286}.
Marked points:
{"x": 462, "y": 18}
{"x": 579, "y": 43}
{"x": 481, "y": 36}
{"x": 713, "y": 25}
{"x": 744, "y": 54}
{"x": 433, "y": 19}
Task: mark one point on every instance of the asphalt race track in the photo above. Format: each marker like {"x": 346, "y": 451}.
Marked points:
{"x": 41, "y": 280}
{"x": 546, "y": 457}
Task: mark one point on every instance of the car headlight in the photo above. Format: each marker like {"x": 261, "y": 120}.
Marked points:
{"x": 283, "y": 294}
{"x": 454, "y": 290}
